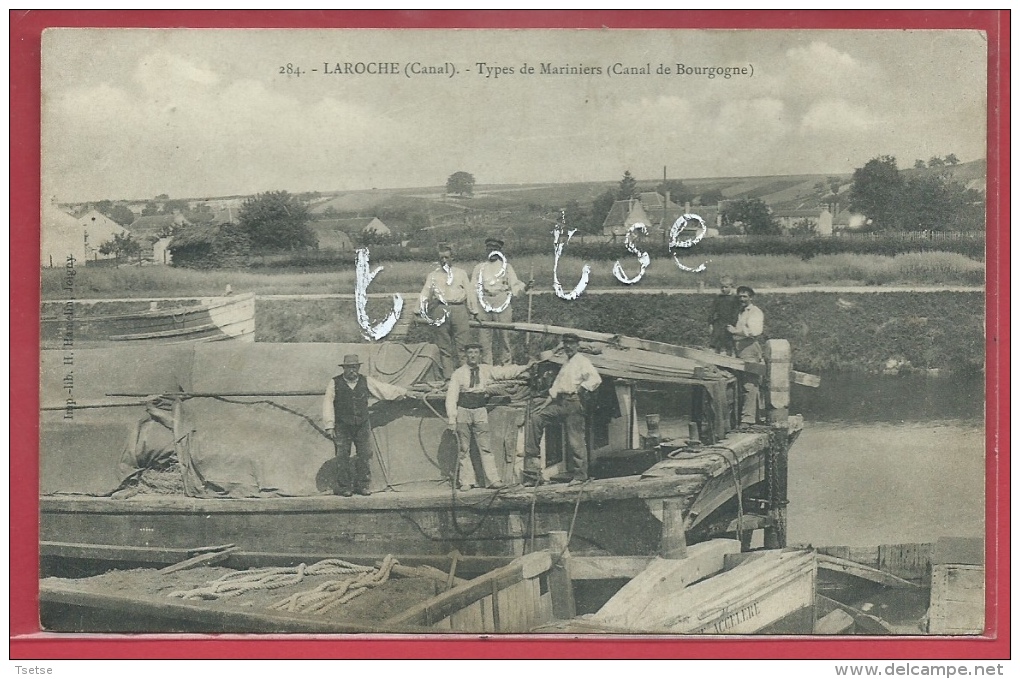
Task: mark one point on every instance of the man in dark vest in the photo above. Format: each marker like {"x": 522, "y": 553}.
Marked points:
{"x": 345, "y": 416}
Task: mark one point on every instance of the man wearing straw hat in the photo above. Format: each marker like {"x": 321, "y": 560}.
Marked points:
{"x": 345, "y": 418}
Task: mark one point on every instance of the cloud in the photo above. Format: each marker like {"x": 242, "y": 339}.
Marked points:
{"x": 837, "y": 115}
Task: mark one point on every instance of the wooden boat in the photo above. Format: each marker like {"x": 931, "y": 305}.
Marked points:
{"x": 254, "y": 467}
{"x": 208, "y": 319}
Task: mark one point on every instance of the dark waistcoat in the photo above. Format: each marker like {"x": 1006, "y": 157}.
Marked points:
{"x": 350, "y": 406}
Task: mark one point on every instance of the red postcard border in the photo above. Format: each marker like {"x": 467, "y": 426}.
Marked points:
{"x": 27, "y": 642}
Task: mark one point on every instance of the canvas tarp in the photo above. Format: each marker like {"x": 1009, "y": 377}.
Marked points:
{"x": 245, "y": 446}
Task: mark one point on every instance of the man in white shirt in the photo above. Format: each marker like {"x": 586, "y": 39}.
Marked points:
{"x": 448, "y": 292}
{"x": 576, "y": 379}
{"x": 345, "y": 418}
{"x": 750, "y": 325}
{"x": 496, "y": 286}
{"x": 467, "y": 415}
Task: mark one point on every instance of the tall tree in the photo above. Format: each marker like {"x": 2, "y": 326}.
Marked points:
{"x": 951, "y": 159}
{"x": 754, "y": 215}
{"x": 600, "y": 210}
{"x": 461, "y": 184}
{"x": 678, "y": 193}
{"x": 876, "y": 191}
{"x": 628, "y": 187}
{"x": 276, "y": 220}
{"x": 935, "y": 161}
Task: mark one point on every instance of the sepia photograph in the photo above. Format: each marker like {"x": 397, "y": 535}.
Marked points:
{"x": 644, "y": 333}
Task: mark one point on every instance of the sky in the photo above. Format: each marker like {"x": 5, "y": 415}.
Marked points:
{"x": 197, "y": 113}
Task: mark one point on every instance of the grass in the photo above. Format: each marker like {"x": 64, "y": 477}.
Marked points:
{"x": 921, "y": 268}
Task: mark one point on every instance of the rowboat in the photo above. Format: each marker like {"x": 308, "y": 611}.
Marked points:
{"x": 70, "y": 325}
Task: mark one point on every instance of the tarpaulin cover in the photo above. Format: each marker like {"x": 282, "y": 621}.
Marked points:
{"x": 245, "y": 446}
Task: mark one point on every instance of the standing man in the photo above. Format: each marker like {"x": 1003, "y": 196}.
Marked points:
{"x": 724, "y": 313}
{"x": 576, "y": 380}
{"x": 466, "y": 414}
{"x": 748, "y": 328}
{"x": 494, "y": 286}
{"x": 449, "y": 294}
{"x": 345, "y": 417}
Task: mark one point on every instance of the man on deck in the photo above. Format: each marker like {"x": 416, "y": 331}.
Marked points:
{"x": 448, "y": 296}
{"x": 494, "y": 287}
{"x": 345, "y": 418}
{"x": 467, "y": 415}
{"x": 576, "y": 379}
{"x": 748, "y": 328}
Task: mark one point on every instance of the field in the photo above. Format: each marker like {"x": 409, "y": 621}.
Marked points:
{"x": 917, "y": 268}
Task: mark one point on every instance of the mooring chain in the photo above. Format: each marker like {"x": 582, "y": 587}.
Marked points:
{"x": 240, "y": 582}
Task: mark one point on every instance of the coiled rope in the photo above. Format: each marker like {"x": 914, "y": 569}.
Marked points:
{"x": 241, "y": 582}
{"x": 331, "y": 594}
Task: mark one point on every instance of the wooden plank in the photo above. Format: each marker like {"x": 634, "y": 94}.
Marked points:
{"x": 673, "y": 543}
{"x": 957, "y": 599}
{"x": 628, "y": 605}
{"x": 560, "y": 586}
{"x": 911, "y": 561}
{"x": 836, "y": 622}
{"x": 463, "y": 595}
{"x": 834, "y": 563}
{"x": 864, "y": 623}
{"x": 192, "y": 616}
{"x": 80, "y": 550}
{"x": 606, "y": 567}
{"x": 805, "y": 379}
{"x": 204, "y": 559}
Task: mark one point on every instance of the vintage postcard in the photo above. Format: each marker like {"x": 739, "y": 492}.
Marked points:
{"x": 658, "y": 332}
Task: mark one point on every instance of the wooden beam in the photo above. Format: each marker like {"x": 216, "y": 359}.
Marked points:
{"x": 449, "y": 602}
{"x": 673, "y": 544}
{"x": 836, "y": 622}
{"x": 186, "y": 616}
{"x": 701, "y": 355}
{"x": 606, "y": 567}
{"x": 81, "y": 550}
{"x": 561, "y": 590}
{"x": 834, "y": 563}
{"x": 204, "y": 559}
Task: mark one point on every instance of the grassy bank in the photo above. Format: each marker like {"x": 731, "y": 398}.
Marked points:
{"x": 850, "y": 332}
{"x": 922, "y": 268}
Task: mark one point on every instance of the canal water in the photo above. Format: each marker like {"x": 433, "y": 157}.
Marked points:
{"x": 888, "y": 459}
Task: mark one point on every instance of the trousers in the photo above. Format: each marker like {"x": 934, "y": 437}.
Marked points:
{"x": 451, "y": 336}
{"x": 567, "y": 411}
{"x": 474, "y": 422}
{"x": 353, "y": 473}
{"x": 750, "y": 383}
{"x": 495, "y": 343}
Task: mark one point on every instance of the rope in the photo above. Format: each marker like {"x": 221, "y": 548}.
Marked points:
{"x": 242, "y": 582}
{"x": 573, "y": 519}
{"x": 333, "y": 593}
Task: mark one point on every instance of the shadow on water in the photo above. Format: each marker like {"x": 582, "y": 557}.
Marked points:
{"x": 857, "y": 398}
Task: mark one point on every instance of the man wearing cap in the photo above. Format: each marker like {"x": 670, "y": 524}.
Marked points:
{"x": 576, "y": 379}
{"x": 466, "y": 414}
{"x": 748, "y": 328}
{"x": 448, "y": 294}
{"x": 345, "y": 418}
{"x": 494, "y": 286}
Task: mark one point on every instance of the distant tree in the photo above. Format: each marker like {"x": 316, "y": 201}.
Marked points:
{"x": 600, "y": 210}
{"x": 919, "y": 164}
{"x": 461, "y": 184}
{"x": 276, "y": 220}
{"x": 935, "y": 202}
{"x": 175, "y": 205}
{"x": 951, "y": 159}
{"x": 935, "y": 161}
{"x": 876, "y": 191}
{"x": 577, "y": 218}
{"x": 834, "y": 184}
{"x": 150, "y": 209}
{"x": 678, "y": 193}
{"x": 754, "y": 215}
{"x": 803, "y": 227}
{"x": 121, "y": 246}
{"x": 163, "y": 196}
{"x": 711, "y": 197}
{"x": 628, "y": 187}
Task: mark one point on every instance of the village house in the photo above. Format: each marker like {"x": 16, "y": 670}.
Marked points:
{"x": 657, "y": 213}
